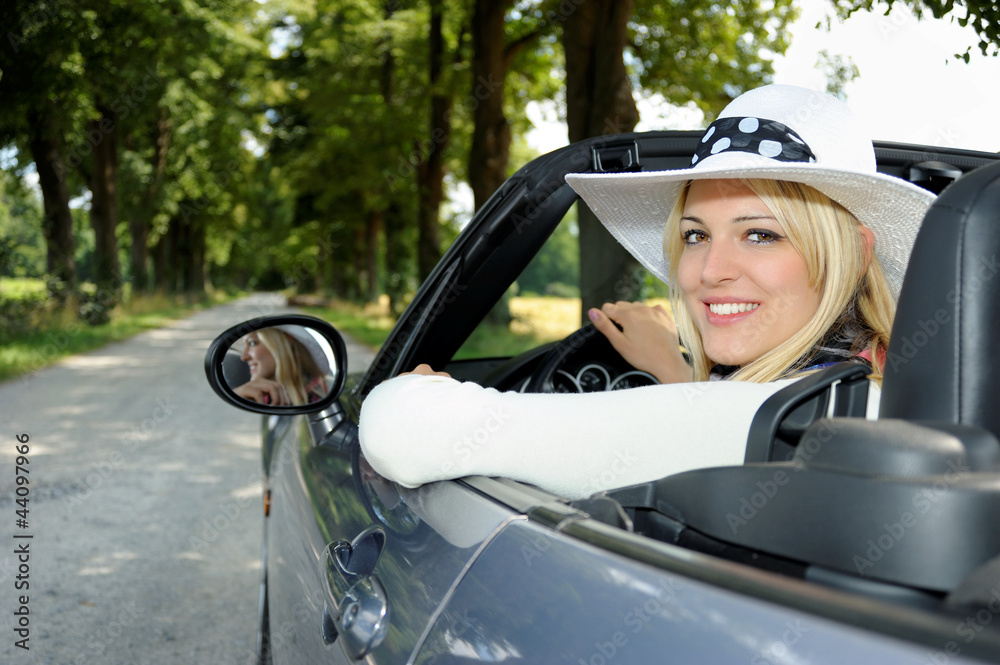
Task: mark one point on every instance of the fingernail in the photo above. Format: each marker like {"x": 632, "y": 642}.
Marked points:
{"x": 593, "y": 314}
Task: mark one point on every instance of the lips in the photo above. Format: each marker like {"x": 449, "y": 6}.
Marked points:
{"x": 721, "y": 312}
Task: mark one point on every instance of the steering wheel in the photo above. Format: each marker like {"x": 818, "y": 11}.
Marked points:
{"x": 585, "y": 361}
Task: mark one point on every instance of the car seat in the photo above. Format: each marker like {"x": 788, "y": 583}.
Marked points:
{"x": 943, "y": 362}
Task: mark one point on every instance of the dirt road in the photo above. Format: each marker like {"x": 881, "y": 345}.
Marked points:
{"x": 141, "y": 537}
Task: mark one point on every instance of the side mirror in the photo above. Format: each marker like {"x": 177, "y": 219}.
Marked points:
{"x": 278, "y": 365}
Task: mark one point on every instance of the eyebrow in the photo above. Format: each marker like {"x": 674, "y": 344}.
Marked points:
{"x": 735, "y": 220}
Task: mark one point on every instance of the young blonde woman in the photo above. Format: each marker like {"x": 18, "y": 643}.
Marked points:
{"x": 840, "y": 308}
{"x": 285, "y": 367}
{"x": 785, "y": 251}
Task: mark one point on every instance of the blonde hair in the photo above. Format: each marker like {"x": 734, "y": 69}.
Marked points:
{"x": 294, "y": 365}
{"x": 854, "y": 295}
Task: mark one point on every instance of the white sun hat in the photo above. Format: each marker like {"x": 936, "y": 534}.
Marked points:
{"x": 312, "y": 344}
{"x": 776, "y": 132}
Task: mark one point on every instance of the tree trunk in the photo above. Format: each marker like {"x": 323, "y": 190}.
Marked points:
{"x": 490, "y": 151}
{"x": 138, "y": 226}
{"x": 104, "y": 207}
{"x": 393, "y": 221}
{"x": 194, "y": 275}
{"x": 430, "y": 172}
{"x": 161, "y": 257}
{"x": 393, "y": 227}
{"x": 371, "y": 255}
{"x": 57, "y": 223}
{"x": 140, "y": 220}
{"x": 599, "y": 101}
{"x": 188, "y": 245}
{"x": 167, "y": 257}
{"x": 182, "y": 251}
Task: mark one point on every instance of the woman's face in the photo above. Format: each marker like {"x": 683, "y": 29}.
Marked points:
{"x": 745, "y": 284}
{"x": 257, "y": 357}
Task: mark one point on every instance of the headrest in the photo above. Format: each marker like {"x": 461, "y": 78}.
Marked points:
{"x": 943, "y": 361}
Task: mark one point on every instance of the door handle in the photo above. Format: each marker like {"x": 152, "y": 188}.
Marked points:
{"x": 356, "y": 608}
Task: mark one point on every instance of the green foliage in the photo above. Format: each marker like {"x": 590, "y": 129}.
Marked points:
{"x": 492, "y": 340}
{"x": 22, "y": 247}
{"x": 361, "y": 323}
{"x": 41, "y": 61}
{"x": 275, "y": 144}
{"x": 555, "y": 270}
{"x": 345, "y": 132}
{"x": 707, "y": 52}
{"x": 23, "y": 302}
{"x": 840, "y": 70}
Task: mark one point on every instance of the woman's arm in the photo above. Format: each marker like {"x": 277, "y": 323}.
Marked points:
{"x": 417, "y": 429}
{"x": 263, "y": 391}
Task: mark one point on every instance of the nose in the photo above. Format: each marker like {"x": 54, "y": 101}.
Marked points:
{"x": 720, "y": 263}
{"x": 245, "y": 356}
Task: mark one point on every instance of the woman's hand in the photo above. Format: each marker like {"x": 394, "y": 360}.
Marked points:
{"x": 647, "y": 339}
{"x": 426, "y": 370}
{"x": 264, "y": 391}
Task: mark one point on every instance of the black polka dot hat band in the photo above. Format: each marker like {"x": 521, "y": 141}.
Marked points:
{"x": 775, "y": 132}
{"x": 753, "y": 135}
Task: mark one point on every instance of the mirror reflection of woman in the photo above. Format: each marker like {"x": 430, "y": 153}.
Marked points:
{"x": 287, "y": 367}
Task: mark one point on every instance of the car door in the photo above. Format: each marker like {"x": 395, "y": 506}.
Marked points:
{"x": 574, "y": 584}
{"x": 323, "y": 494}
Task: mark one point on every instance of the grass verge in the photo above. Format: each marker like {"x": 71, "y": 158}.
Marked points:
{"x": 368, "y": 324}
{"x": 58, "y": 334}
{"x": 536, "y": 320}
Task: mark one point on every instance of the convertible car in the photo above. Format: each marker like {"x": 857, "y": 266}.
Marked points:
{"x": 839, "y": 540}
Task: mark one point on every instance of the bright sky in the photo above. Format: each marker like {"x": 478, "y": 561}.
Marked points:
{"x": 910, "y": 88}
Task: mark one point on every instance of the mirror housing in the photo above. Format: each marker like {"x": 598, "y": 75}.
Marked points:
{"x": 316, "y": 340}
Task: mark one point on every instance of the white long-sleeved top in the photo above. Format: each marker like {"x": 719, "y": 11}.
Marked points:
{"x": 417, "y": 429}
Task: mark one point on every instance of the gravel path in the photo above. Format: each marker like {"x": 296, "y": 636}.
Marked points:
{"x": 144, "y": 504}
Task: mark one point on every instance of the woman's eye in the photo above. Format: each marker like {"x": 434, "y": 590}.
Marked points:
{"x": 762, "y": 237}
{"x": 694, "y": 236}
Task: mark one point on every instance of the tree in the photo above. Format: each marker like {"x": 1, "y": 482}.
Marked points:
{"x": 166, "y": 105}
{"x": 701, "y": 51}
{"x": 391, "y": 216}
{"x": 324, "y": 166}
{"x": 57, "y": 224}
{"x": 599, "y": 101}
{"x": 40, "y": 61}
{"x": 146, "y": 174}
{"x": 362, "y": 123}
{"x": 707, "y": 52}
{"x": 115, "y": 54}
{"x": 182, "y": 114}
{"x": 491, "y": 135}
{"x": 493, "y": 56}
{"x": 431, "y": 170}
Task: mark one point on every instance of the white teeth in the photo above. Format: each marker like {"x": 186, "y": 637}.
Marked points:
{"x": 732, "y": 308}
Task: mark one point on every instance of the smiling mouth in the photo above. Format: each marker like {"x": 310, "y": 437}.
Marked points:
{"x": 732, "y": 307}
